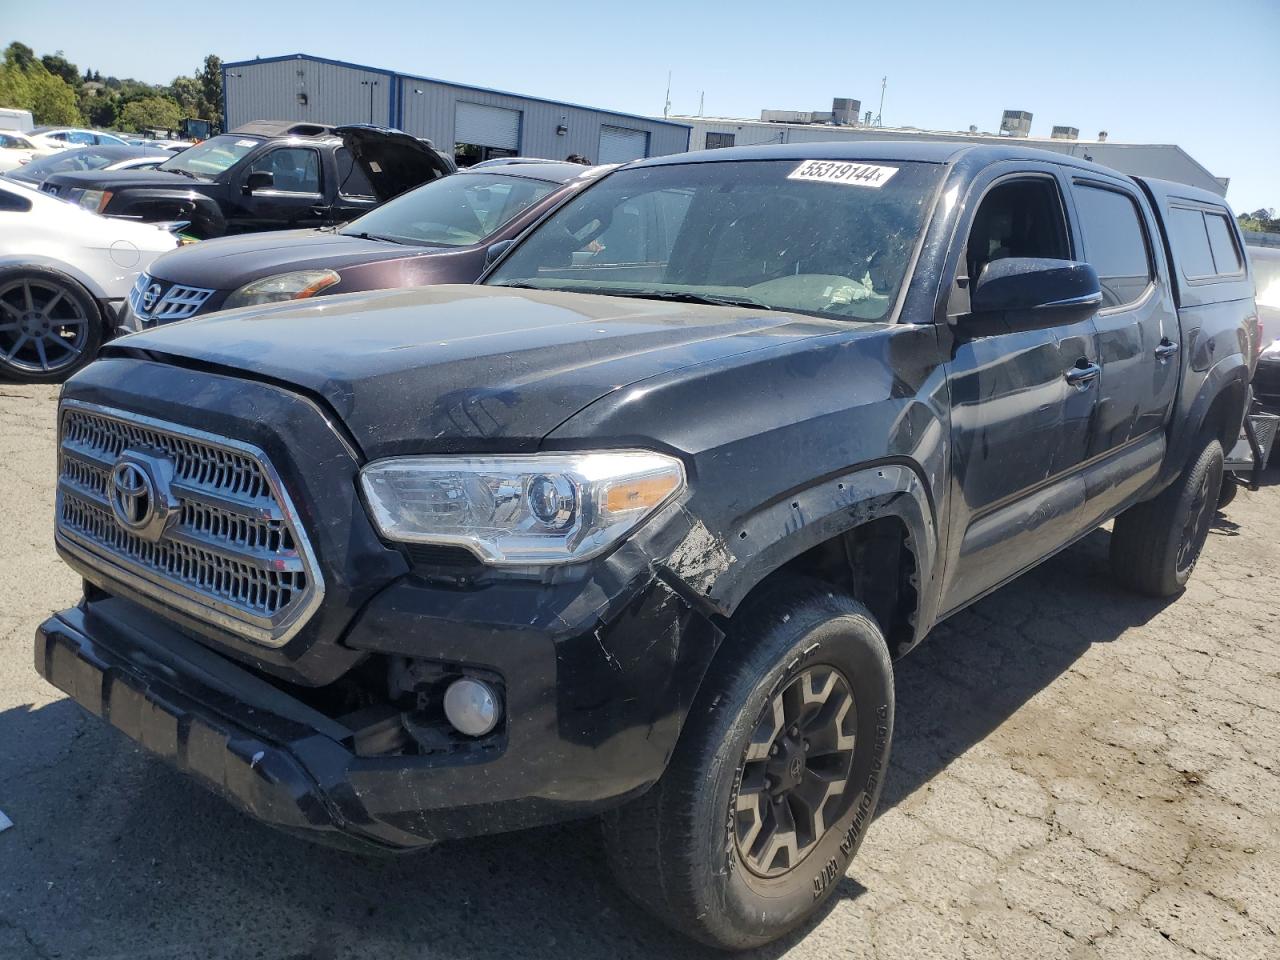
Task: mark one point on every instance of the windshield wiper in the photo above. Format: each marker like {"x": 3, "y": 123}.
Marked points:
{"x": 681, "y": 296}
{"x": 185, "y": 173}
{"x": 375, "y": 236}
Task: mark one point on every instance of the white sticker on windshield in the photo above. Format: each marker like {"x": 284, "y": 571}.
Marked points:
{"x": 837, "y": 171}
{"x": 373, "y": 165}
{"x": 246, "y": 143}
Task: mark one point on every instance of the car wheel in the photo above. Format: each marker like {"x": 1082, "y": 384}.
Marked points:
{"x": 776, "y": 775}
{"x": 1155, "y": 545}
{"x": 49, "y": 325}
{"x": 1230, "y": 487}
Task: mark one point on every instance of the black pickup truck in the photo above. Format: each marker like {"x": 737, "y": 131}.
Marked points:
{"x": 268, "y": 175}
{"x": 637, "y": 526}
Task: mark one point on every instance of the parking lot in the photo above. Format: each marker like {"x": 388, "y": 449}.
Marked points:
{"x": 1077, "y": 773}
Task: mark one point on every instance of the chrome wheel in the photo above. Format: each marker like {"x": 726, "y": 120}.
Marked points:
{"x": 43, "y": 328}
{"x": 793, "y": 781}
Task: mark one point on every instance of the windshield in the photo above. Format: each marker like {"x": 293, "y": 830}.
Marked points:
{"x": 210, "y": 158}
{"x": 454, "y": 211}
{"x": 828, "y": 238}
{"x": 68, "y": 161}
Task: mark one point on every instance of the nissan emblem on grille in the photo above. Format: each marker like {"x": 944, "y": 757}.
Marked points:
{"x": 198, "y": 522}
{"x": 151, "y": 297}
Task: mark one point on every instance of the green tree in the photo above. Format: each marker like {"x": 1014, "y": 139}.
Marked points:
{"x": 159, "y": 112}
{"x": 210, "y": 79}
{"x": 186, "y": 90}
{"x": 19, "y": 55}
{"x": 60, "y": 66}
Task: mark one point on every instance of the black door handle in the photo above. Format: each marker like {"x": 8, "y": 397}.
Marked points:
{"x": 1083, "y": 373}
{"x": 1166, "y": 349}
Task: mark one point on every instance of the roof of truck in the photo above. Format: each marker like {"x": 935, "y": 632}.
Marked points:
{"x": 923, "y": 151}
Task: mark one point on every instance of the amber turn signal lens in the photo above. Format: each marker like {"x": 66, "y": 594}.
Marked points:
{"x": 642, "y": 493}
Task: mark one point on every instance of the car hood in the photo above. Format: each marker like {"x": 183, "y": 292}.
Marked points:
{"x": 392, "y": 160}
{"x": 230, "y": 262}
{"x": 120, "y": 179}
{"x": 465, "y": 368}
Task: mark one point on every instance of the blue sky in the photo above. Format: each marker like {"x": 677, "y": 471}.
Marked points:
{"x": 1203, "y": 75}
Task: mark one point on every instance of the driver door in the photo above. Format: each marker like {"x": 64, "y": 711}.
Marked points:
{"x": 1023, "y": 395}
{"x": 294, "y": 197}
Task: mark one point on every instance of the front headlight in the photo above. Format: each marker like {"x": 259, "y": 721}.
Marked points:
{"x": 520, "y": 510}
{"x": 95, "y": 201}
{"x": 283, "y": 286}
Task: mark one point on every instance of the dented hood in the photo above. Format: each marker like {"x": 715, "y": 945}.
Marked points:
{"x": 465, "y": 368}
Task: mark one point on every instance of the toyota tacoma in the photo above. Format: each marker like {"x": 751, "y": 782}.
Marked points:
{"x": 637, "y": 526}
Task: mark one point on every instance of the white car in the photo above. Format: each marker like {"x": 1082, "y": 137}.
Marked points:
{"x": 15, "y": 150}
{"x": 51, "y": 139}
{"x": 64, "y": 272}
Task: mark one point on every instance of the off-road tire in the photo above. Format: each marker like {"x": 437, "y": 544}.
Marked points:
{"x": 675, "y": 849}
{"x": 1228, "y": 493}
{"x": 1155, "y": 545}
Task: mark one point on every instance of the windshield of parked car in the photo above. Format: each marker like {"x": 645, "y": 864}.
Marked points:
{"x": 210, "y": 158}
{"x": 454, "y": 211}
{"x": 69, "y": 161}
{"x": 831, "y": 238}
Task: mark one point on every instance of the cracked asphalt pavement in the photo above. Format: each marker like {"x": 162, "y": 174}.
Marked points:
{"x": 1077, "y": 773}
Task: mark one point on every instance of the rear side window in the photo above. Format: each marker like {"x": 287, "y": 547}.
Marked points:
{"x": 1222, "y": 241}
{"x": 1115, "y": 243}
{"x": 12, "y": 203}
{"x": 1191, "y": 243}
{"x": 352, "y": 181}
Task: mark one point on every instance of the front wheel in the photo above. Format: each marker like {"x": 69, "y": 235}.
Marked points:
{"x": 776, "y": 776}
{"x": 49, "y": 325}
{"x": 1155, "y": 545}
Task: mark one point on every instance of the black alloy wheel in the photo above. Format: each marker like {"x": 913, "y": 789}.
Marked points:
{"x": 49, "y": 326}
{"x": 794, "y": 776}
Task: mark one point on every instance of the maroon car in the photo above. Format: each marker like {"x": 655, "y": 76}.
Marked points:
{"x": 440, "y": 232}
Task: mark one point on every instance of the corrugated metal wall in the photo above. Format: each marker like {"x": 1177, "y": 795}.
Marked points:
{"x": 268, "y": 90}
{"x": 428, "y": 109}
{"x": 336, "y": 93}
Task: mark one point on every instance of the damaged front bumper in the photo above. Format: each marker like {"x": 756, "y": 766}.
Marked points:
{"x": 594, "y": 706}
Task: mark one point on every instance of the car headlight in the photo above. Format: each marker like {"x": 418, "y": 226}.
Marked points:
{"x": 518, "y": 510}
{"x": 1272, "y": 350}
{"x": 95, "y": 201}
{"x": 283, "y": 286}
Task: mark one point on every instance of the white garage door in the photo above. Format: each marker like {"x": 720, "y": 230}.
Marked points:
{"x": 487, "y": 126}
{"x": 618, "y": 145}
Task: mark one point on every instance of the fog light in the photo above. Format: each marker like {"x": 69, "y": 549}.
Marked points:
{"x": 472, "y": 707}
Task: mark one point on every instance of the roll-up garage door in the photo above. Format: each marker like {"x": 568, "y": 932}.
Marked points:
{"x": 487, "y": 126}
{"x": 618, "y": 144}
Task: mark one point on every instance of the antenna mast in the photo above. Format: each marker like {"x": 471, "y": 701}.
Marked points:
{"x": 666, "y": 107}
{"x": 884, "y": 82}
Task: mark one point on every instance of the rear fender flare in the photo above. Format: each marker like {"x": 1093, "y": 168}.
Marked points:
{"x": 91, "y": 285}
{"x": 1230, "y": 371}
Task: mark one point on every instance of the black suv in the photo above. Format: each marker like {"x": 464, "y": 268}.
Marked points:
{"x": 269, "y": 175}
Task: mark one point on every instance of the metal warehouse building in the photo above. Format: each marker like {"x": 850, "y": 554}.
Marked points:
{"x": 1166, "y": 161}
{"x": 480, "y": 123}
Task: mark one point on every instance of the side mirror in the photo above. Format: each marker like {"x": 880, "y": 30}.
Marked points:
{"x": 1039, "y": 284}
{"x": 259, "y": 180}
{"x": 496, "y": 250}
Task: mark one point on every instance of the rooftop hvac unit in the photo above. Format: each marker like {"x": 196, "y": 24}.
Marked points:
{"x": 1015, "y": 123}
{"x": 845, "y": 111}
{"x": 1065, "y": 133}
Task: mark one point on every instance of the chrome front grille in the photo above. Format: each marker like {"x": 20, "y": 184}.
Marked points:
{"x": 231, "y": 550}
{"x": 166, "y": 302}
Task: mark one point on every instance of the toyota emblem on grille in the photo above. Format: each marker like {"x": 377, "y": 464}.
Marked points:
{"x": 150, "y": 297}
{"x": 141, "y": 500}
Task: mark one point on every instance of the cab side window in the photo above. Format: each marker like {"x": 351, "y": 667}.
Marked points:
{"x": 352, "y": 181}
{"x": 1017, "y": 218}
{"x": 293, "y": 169}
{"x": 1115, "y": 243}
